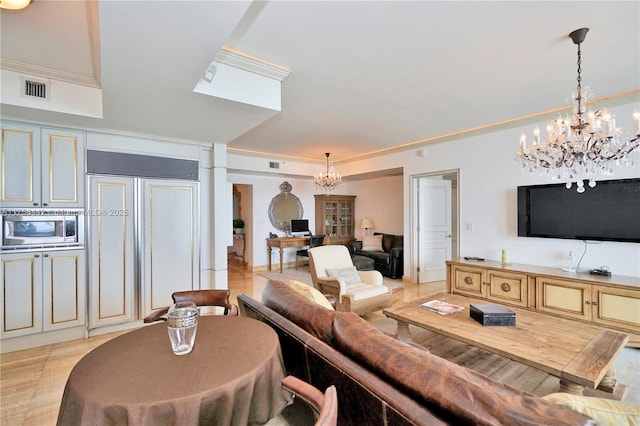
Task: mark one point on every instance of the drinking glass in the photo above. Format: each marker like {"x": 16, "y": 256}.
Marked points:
{"x": 182, "y": 324}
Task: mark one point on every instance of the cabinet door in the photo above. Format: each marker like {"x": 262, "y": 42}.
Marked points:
{"x": 331, "y": 218}
{"x": 469, "y": 280}
{"x": 507, "y": 287}
{"x": 21, "y": 294}
{"x": 20, "y": 166}
{"x": 570, "y": 299}
{"x": 346, "y": 220}
{"x": 62, "y": 168}
{"x": 170, "y": 248}
{"x": 111, "y": 251}
{"x": 616, "y": 307}
{"x": 63, "y": 289}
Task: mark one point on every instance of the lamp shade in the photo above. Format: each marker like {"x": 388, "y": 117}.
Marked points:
{"x": 366, "y": 223}
{"x": 14, "y": 4}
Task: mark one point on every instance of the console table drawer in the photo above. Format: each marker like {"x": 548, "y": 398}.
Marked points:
{"x": 468, "y": 280}
{"x": 507, "y": 287}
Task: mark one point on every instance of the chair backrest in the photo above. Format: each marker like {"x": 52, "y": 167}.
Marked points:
{"x": 324, "y": 405}
{"x": 331, "y": 256}
{"x": 206, "y": 298}
{"x": 316, "y": 240}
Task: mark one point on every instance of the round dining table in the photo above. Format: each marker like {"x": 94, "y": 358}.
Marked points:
{"x": 231, "y": 377}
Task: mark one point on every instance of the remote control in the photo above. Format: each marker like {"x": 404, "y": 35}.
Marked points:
{"x": 474, "y": 258}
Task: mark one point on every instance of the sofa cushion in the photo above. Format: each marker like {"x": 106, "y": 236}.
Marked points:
{"x": 308, "y": 315}
{"x": 387, "y": 242}
{"x": 379, "y": 257}
{"x": 454, "y": 391}
{"x": 361, "y": 291}
{"x": 372, "y": 243}
{"x": 603, "y": 411}
{"x": 349, "y": 274}
{"x": 310, "y": 293}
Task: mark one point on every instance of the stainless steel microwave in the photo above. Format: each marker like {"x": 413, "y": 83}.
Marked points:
{"x": 34, "y": 228}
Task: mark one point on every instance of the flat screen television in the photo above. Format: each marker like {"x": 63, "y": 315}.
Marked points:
{"x": 299, "y": 225}
{"x": 608, "y": 212}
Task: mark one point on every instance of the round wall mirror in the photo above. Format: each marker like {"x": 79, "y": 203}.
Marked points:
{"x": 284, "y": 207}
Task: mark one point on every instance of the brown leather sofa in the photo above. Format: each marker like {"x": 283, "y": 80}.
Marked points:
{"x": 383, "y": 381}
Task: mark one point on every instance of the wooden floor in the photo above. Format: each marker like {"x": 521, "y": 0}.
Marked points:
{"x": 32, "y": 381}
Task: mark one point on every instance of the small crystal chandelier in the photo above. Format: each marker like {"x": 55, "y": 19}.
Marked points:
{"x": 579, "y": 147}
{"x": 327, "y": 181}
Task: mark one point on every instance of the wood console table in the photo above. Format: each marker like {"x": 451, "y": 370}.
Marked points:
{"x": 286, "y": 242}
{"x": 611, "y": 302}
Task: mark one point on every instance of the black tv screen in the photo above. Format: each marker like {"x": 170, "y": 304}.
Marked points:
{"x": 299, "y": 225}
{"x": 608, "y": 212}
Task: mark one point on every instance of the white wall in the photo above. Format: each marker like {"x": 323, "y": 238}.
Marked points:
{"x": 488, "y": 180}
{"x": 382, "y": 201}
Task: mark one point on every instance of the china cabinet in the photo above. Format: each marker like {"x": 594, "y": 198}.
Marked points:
{"x": 335, "y": 218}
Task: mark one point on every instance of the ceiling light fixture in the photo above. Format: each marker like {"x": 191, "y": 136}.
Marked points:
{"x": 327, "y": 181}
{"x": 579, "y": 147}
{"x": 14, "y": 4}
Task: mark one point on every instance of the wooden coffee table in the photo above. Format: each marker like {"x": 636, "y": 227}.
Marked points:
{"x": 581, "y": 355}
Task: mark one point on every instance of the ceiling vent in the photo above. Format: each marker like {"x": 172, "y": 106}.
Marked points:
{"x": 36, "y": 89}
{"x": 274, "y": 165}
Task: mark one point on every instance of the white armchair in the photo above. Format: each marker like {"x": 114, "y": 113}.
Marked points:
{"x": 332, "y": 272}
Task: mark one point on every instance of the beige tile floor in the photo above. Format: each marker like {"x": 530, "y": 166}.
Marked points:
{"x": 32, "y": 381}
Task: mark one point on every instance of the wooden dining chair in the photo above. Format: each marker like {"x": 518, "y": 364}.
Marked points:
{"x": 324, "y": 406}
{"x": 218, "y": 298}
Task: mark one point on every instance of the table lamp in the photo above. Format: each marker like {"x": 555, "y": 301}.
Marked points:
{"x": 365, "y": 224}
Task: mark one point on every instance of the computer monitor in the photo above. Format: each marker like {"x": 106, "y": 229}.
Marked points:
{"x": 299, "y": 225}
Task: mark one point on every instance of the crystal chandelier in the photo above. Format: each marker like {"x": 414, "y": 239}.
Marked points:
{"x": 579, "y": 147}
{"x": 327, "y": 181}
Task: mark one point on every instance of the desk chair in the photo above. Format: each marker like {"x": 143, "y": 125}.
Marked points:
{"x": 200, "y": 298}
{"x": 315, "y": 241}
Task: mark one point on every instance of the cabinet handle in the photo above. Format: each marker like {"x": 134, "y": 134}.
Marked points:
{"x": 45, "y": 204}
{"x": 46, "y": 255}
{"x": 468, "y": 280}
{"x": 35, "y": 204}
{"x": 36, "y": 255}
{"x": 586, "y": 302}
{"x": 505, "y": 287}
{"x": 594, "y": 303}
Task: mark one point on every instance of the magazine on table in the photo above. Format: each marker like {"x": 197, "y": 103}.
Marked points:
{"x": 441, "y": 307}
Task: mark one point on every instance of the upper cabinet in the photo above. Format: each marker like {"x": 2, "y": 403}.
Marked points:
{"x": 41, "y": 167}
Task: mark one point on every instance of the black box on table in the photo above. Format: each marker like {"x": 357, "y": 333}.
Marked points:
{"x": 487, "y": 314}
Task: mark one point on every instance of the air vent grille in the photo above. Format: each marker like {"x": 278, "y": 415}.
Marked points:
{"x": 274, "y": 165}
{"x": 35, "y": 89}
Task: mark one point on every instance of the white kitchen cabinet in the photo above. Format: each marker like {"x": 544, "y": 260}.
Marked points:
{"x": 64, "y": 286}
{"x": 21, "y": 294}
{"x": 41, "y": 167}
{"x": 170, "y": 246}
{"x": 111, "y": 250}
{"x": 42, "y": 291}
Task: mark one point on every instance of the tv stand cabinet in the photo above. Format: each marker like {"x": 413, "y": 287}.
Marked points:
{"x": 612, "y": 302}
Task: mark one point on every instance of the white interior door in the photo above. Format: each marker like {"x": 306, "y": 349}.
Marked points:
{"x": 170, "y": 260}
{"x": 433, "y": 220}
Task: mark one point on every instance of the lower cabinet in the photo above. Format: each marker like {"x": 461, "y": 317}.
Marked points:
{"x": 498, "y": 286}
{"x": 608, "y": 301}
{"x": 42, "y": 291}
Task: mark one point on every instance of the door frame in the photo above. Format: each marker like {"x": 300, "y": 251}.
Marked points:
{"x": 454, "y": 176}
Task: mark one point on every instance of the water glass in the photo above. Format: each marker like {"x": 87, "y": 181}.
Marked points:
{"x": 182, "y": 324}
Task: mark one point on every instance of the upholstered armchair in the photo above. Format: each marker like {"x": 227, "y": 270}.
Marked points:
{"x": 332, "y": 272}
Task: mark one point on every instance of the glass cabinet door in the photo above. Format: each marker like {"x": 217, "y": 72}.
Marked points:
{"x": 346, "y": 219}
{"x": 331, "y": 218}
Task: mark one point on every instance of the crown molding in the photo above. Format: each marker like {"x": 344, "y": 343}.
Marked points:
{"x": 49, "y": 73}
{"x": 251, "y": 63}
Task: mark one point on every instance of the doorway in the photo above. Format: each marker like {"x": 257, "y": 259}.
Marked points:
{"x": 241, "y": 252}
{"x": 434, "y": 224}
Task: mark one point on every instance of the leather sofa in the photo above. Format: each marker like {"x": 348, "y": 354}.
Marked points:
{"x": 390, "y": 261}
{"x": 383, "y": 381}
